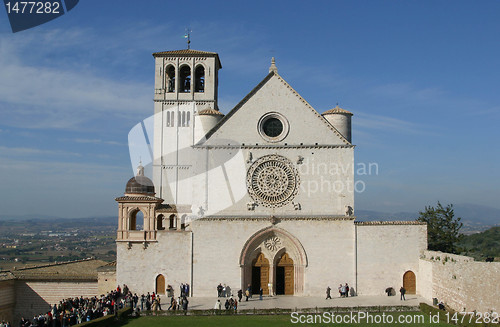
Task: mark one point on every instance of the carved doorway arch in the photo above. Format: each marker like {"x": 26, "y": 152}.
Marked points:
{"x": 273, "y": 243}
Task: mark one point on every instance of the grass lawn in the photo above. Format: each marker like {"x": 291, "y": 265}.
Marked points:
{"x": 263, "y": 321}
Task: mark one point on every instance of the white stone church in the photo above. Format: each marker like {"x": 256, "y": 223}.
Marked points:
{"x": 262, "y": 196}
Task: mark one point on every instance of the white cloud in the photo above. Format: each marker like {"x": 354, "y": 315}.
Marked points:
{"x": 36, "y": 94}
{"x": 407, "y": 92}
{"x": 365, "y": 121}
{"x": 98, "y": 141}
{"x": 24, "y": 151}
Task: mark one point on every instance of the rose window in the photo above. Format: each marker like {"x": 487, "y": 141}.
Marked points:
{"x": 272, "y": 181}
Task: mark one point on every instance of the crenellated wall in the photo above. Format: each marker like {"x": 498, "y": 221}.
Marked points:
{"x": 460, "y": 282}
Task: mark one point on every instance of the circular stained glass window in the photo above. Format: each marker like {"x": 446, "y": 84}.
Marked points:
{"x": 272, "y": 127}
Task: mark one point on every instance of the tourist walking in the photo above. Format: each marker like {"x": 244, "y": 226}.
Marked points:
{"x": 402, "y": 290}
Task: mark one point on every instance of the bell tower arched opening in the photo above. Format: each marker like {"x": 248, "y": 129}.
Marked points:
{"x": 185, "y": 79}
{"x": 199, "y": 85}
{"x": 170, "y": 78}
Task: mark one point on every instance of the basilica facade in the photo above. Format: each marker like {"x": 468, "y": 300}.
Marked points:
{"x": 262, "y": 197}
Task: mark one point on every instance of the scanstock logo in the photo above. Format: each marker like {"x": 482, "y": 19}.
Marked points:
{"x": 226, "y": 166}
{"x": 27, "y": 14}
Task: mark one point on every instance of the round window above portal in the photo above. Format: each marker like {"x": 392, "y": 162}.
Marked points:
{"x": 273, "y": 127}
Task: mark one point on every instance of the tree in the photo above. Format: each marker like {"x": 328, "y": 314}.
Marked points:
{"x": 443, "y": 229}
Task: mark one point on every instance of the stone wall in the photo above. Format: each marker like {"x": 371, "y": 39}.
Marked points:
{"x": 138, "y": 265}
{"x": 35, "y": 297}
{"x": 328, "y": 245}
{"x": 385, "y": 251}
{"x": 7, "y": 300}
{"x": 460, "y": 282}
{"x": 106, "y": 281}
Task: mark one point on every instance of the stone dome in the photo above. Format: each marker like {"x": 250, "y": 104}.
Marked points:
{"x": 140, "y": 184}
{"x": 337, "y": 110}
{"x": 210, "y": 111}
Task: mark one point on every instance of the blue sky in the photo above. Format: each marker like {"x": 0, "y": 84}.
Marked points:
{"x": 421, "y": 77}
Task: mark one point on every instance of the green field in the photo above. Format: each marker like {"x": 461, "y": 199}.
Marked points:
{"x": 269, "y": 320}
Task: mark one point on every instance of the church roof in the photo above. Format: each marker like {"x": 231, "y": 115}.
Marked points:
{"x": 187, "y": 53}
{"x": 239, "y": 105}
{"x": 337, "y": 110}
{"x": 73, "y": 270}
{"x": 137, "y": 198}
{"x": 108, "y": 267}
{"x": 172, "y": 208}
{"x": 210, "y": 111}
{"x": 389, "y": 222}
{"x": 6, "y": 275}
{"x": 271, "y": 74}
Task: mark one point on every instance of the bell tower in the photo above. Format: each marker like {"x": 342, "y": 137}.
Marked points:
{"x": 187, "y": 75}
{"x": 186, "y": 83}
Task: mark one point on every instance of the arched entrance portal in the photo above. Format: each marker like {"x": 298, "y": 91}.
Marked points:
{"x": 160, "y": 284}
{"x": 274, "y": 260}
{"x": 260, "y": 274}
{"x": 410, "y": 282}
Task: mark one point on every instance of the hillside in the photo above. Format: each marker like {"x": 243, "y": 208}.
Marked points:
{"x": 482, "y": 245}
{"x": 476, "y": 218}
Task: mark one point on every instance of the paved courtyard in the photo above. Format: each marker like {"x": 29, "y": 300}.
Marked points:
{"x": 291, "y": 302}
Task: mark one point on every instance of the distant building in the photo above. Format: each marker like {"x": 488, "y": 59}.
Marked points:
{"x": 31, "y": 291}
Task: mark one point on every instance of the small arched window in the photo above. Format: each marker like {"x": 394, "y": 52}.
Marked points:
{"x": 170, "y": 78}
{"x": 168, "y": 118}
{"x": 172, "y": 222}
{"x": 136, "y": 220}
{"x": 199, "y": 74}
{"x": 159, "y": 222}
{"x": 183, "y": 118}
{"x": 185, "y": 79}
{"x": 183, "y": 221}
{"x": 172, "y": 119}
{"x": 188, "y": 118}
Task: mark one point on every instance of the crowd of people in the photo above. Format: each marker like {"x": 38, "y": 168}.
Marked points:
{"x": 72, "y": 311}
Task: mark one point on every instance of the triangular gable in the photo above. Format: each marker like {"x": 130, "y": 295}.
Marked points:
{"x": 254, "y": 93}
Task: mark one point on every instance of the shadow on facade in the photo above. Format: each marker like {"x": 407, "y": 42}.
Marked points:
{"x": 28, "y": 303}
